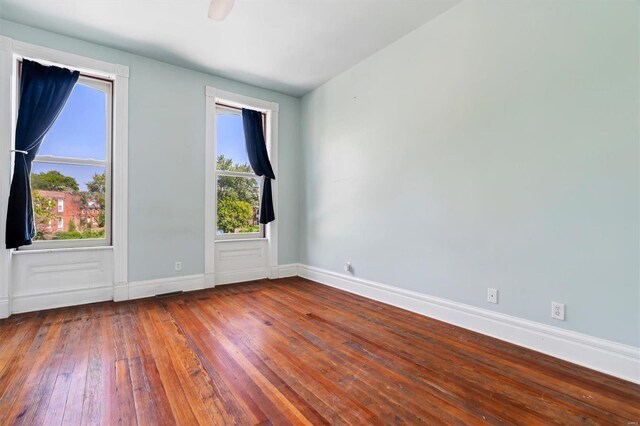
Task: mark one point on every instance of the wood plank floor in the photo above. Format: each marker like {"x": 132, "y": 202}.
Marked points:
{"x": 281, "y": 352}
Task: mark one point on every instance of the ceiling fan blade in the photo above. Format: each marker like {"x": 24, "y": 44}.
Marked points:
{"x": 219, "y": 9}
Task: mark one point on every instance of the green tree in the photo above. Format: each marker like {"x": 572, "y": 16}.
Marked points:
{"x": 97, "y": 184}
{"x": 43, "y": 211}
{"x": 236, "y": 197}
{"x": 72, "y": 226}
{"x": 233, "y": 214}
{"x": 96, "y": 190}
{"x": 43, "y": 207}
{"x": 227, "y": 164}
{"x": 53, "y": 180}
{"x": 236, "y": 187}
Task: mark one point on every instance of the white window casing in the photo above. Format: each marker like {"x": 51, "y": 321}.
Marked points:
{"x": 110, "y": 259}
{"x": 267, "y": 242}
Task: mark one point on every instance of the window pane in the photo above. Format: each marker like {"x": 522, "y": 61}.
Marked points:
{"x": 69, "y": 201}
{"x": 238, "y": 205}
{"x": 81, "y": 129}
{"x": 231, "y": 150}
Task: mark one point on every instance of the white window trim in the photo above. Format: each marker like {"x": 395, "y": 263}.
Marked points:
{"x": 10, "y": 50}
{"x": 271, "y": 110}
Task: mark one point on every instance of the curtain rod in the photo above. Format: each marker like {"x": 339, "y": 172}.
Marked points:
{"x": 235, "y": 107}
{"x": 229, "y": 106}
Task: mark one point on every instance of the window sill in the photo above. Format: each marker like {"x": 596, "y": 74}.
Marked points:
{"x": 229, "y": 240}
{"x": 58, "y": 250}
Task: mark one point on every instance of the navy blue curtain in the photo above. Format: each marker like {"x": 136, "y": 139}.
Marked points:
{"x": 43, "y": 94}
{"x": 259, "y": 160}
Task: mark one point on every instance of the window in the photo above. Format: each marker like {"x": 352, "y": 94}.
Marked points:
{"x": 238, "y": 189}
{"x": 72, "y": 172}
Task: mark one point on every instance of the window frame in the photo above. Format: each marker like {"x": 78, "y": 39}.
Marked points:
{"x": 105, "y": 85}
{"x": 219, "y": 106}
{"x": 267, "y": 246}
{"x": 11, "y": 52}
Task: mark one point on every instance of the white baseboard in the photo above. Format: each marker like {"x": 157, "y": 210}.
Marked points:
{"x": 120, "y": 292}
{"x": 241, "y": 276}
{"x": 612, "y": 358}
{"x": 134, "y": 290}
{"x": 60, "y": 298}
{"x": 148, "y": 288}
{"x": 4, "y": 307}
{"x": 289, "y": 270}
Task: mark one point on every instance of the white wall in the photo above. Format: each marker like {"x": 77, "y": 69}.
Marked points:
{"x": 496, "y": 146}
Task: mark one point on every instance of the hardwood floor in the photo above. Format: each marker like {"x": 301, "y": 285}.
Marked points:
{"x": 284, "y": 352}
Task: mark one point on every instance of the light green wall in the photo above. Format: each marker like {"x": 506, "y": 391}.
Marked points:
{"x": 495, "y": 146}
{"x": 166, "y": 157}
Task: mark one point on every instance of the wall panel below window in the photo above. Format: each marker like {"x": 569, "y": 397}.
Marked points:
{"x": 54, "y": 278}
{"x": 241, "y": 260}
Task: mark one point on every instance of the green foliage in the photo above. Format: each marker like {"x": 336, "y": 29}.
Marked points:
{"x": 236, "y": 198}
{"x": 42, "y": 207}
{"x": 237, "y": 188}
{"x": 97, "y": 184}
{"x": 72, "y": 226}
{"x": 223, "y": 163}
{"x": 53, "y": 180}
{"x": 96, "y": 190}
{"x": 233, "y": 214}
{"x": 77, "y": 235}
{"x": 72, "y": 235}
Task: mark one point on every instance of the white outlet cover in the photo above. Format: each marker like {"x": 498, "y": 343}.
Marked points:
{"x": 492, "y": 295}
{"x": 557, "y": 311}
{"x": 178, "y": 266}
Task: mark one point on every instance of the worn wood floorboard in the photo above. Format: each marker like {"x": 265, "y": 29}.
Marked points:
{"x": 279, "y": 352}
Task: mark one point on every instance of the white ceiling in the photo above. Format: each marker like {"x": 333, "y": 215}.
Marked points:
{"x": 291, "y": 46}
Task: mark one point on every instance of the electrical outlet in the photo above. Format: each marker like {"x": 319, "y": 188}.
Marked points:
{"x": 347, "y": 267}
{"x": 557, "y": 311}
{"x": 178, "y": 266}
{"x": 492, "y": 295}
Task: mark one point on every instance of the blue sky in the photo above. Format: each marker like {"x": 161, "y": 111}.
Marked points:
{"x": 79, "y": 131}
{"x": 231, "y": 138}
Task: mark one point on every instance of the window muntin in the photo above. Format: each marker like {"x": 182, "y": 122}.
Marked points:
{"x": 238, "y": 189}
{"x": 72, "y": 170}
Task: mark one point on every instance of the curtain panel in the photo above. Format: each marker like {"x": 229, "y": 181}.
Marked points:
{"x": 259, "y": 160}
{"x": 44, "y": 91}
